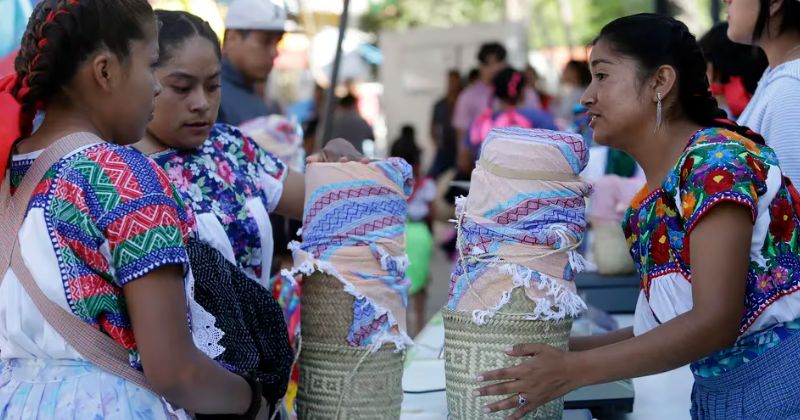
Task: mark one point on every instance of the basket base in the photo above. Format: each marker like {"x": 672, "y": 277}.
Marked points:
{"x": 373, "y": 391}
{"x": 471, "y": 349}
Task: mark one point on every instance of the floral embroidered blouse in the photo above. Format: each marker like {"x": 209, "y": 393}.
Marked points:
{"x": 229, "y": 185}
{"x": 718, "y": 166}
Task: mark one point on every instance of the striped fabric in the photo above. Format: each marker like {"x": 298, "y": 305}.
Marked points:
{"x": 521, "y": 224}
{"x": 774, "y": 112}
{"x": 354, "y": 229}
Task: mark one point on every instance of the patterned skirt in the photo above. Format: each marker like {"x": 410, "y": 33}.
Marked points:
{"x": 764, "y": 388}
{"x": 33, "y": 389}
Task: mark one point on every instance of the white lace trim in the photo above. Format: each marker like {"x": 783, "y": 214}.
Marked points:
{"x": 205, "y": 333}
{"x": 558, "y": 303}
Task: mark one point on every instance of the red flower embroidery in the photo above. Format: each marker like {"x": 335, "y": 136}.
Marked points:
{"x": 660, "y": 245}
{"x": 757, "y": 167}
{"x": 718, "y": 180}
{"x": 248, "y": 150}
{"x": 781, "y": 225}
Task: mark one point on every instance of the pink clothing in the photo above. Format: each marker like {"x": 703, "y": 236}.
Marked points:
{"x": 612, "y": 196}
{"x": 471, "y": 102}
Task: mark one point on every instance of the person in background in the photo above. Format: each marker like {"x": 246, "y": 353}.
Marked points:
{"x": 533, "y": 88}
{"x": 774, "y": 26}
{"x": 419, "y": 227}
{"x": 442, "y": 131}
{"x": 348, "y": 124}
{"x": 532, "y": 98}
{"x": 476, "y": 97}
{"x": 104, "y": 234}
{"x": 473, "y": 76}
{"x": 574, "y": 80}
{"x": 253, "y": 29}
{"x": 733, "y": 69}
{"x": 505, "y": 111}
{"x": 713, "y": 236}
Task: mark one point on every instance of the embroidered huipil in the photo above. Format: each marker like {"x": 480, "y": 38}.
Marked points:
{"x": 100, "y": 218}
{"x": 719, "y": 166}
{"x": 229, "y": 185}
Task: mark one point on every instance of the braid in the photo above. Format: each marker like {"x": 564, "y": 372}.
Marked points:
{"x": 695, "y": 92}
{"x": 39, "y": 53}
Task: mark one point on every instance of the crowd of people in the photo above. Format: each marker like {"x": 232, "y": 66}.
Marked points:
{"x": 129, "y": 158}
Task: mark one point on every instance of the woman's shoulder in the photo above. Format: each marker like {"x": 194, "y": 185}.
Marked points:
{"x": 715, "y": 140}
{"x": 122, "y": 167}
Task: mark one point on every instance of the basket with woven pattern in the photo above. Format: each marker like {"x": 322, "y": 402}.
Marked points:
{"x": 471, "y": 349}
{"x": 337, "y": 381}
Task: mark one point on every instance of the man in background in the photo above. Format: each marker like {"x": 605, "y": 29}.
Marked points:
{"x": 253, "y": 29}
{"x": 349, "y": 124}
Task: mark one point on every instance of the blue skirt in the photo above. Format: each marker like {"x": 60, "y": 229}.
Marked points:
{"x": 39, "y": 389}
{"x": 764, "y": 388}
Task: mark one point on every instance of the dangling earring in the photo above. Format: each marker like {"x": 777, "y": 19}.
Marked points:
{"x": 658, "y": 112}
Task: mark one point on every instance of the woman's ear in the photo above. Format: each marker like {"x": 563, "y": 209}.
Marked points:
{"x": 105, "y": 70}
{"x": 664, "y": 81}
{"x": 775, "y": 6}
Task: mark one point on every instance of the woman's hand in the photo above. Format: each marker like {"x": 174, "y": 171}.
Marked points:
{"x": 548, "y": 373}
{"x": 337, "y": 150}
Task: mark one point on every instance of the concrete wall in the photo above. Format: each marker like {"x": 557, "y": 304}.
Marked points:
{"x": 415, "y": 67}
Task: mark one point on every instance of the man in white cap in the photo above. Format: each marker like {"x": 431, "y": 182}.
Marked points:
{"x": 253, "y": 29}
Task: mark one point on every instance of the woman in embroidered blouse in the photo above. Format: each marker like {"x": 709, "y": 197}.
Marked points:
{"x": 229, "y": 183}
{"x": 714, "y": 236}
{"x": 104, "y": 232}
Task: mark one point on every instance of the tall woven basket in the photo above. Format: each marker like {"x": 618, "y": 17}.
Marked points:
{"x": 337, "y": 381}
{"x": 470, "y": 349}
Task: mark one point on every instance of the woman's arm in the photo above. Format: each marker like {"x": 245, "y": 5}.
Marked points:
{"x": 172, "y": 364}
{"x": 293, "y": 197}
{"x": 294, "y": 187}
{"x": 720, "y": 247}
{"x": 593, "y": 341}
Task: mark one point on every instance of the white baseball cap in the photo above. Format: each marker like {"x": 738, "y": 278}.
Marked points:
{"x": 256, "y": 15}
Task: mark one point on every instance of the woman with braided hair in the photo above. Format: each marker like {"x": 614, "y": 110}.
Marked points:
{"x": 714, "y": 236}
{"x": 103, "y": 236}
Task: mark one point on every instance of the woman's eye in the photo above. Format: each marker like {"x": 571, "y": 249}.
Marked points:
{"x": 182, "y": 90}
{"x": 599, "y": 76}
{"x": 214, "y": 87}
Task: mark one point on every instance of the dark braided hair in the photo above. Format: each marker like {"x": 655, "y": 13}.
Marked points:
{"x": 61, "y": 34}
{"x": 509, "y": 85}
{"x": 176, "y": 28}
{"x": 656, "y": 40}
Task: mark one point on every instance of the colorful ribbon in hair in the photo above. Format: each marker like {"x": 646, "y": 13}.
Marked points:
{"x": 521, "y": 225}
{"x": 10, "y": 121}
{"x": 354, "y": 230}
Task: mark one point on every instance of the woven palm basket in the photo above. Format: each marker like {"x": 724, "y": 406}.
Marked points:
{"x": 470, "y": 349}
{"x": 337, "y": 381}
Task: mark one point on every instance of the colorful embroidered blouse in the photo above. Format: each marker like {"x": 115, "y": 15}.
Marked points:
{"x": 229, "y": 185}
{"x": 101, "y": 217}
{"x": 718, "y": 166}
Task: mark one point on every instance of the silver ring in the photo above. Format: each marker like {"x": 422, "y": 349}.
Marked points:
{"x": 522, "y": 400}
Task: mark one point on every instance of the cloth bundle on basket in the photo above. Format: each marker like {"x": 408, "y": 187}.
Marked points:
{"x": 355, "y": 290}
{"x": 279, "y": 136}
{"x": 518, "y": 234}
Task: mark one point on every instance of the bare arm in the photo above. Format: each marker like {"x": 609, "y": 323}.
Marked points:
{"x": 720, "y": 246}
{"x": 293, "y": 197}
{"x": 294, "y": 187}
{"x": 172, "y": 364}
{"x": 590, "y": 342}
